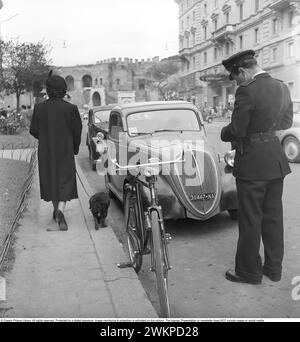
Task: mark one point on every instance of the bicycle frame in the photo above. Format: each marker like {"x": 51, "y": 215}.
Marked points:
{"x": 144, "y": 217}
{"x": 148, "y": 230}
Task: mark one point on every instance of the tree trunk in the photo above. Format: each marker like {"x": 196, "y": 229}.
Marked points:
{"x": 18, "y": 101}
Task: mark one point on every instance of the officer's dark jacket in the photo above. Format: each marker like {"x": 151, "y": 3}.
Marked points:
{"x": 262, "y": 104}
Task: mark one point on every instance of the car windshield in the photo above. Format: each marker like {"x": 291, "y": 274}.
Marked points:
{"x": 162, "y": 120}
{"x": 102, "y": 116}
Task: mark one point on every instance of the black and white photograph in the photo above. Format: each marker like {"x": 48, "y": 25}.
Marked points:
{"x": 150, "y": 162}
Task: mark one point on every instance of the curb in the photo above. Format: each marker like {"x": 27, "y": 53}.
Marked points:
{"x": 127, "y": 294}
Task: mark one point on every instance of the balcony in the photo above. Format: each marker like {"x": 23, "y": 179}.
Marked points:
{"x": 223, "y": 34}
{"x": 213, "y": 74}
{"x": 281, "y": 5}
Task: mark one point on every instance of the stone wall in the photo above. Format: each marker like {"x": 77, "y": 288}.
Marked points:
{"x": 107, "y": 78}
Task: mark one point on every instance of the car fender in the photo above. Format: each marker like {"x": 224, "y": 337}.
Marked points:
{"x": 293, "y": 131}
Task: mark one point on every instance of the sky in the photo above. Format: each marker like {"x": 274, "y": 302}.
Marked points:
{"x": 86, "y": 31}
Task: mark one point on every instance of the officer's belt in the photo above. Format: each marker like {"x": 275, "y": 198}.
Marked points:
{"x": 262, "y": 136}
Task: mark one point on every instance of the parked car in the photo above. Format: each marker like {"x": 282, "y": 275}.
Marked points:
{"x": 199, "y": 185}
{"x": 290, "y": 138}
{"x": 98, "y": 118}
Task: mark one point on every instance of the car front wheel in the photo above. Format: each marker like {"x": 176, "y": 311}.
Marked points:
{"x": 291, "y": 147}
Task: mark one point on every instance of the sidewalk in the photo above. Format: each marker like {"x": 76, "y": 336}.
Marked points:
{"x": 70, "y": 274}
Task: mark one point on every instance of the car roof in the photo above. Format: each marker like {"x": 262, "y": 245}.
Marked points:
{"x": 129, "y": 108}
{"x": 106, "y": 107}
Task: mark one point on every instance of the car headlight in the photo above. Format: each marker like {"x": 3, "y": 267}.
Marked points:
{"x": 152, "y": 169}
{"x": 229, "y": 158}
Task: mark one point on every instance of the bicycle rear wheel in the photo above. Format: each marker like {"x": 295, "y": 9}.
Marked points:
{"x": 132, "y": 230}
{"x": 161, "y": 268}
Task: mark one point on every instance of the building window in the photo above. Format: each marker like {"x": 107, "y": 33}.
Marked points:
{"x": 194, "y": 38}
{"x": 101, "y": 81}
{"x": 216, "y": 24}
{"x": 205, "y": 57}
{"x": 187, "y": 3}
{"x": 118, "y": 81}
{"x": 141, "y": 85}
{"x": 227, "y": 18}
{"x": 275, "y": 26}
{"x": 87, "y": 81}
{"x": 291, "y": 86}
{"x": 216, "y": 3}
{"x": 182, "y": 25}
{"x": 205, "y": 9}
{"x": 227, "y": 48}
{"x": 194, "y": 62}
{"x": 70, "y": 83}
{"x": 241, "y": 9}
{"x": 256, "y": 5}
{"x": 187, "y": 65}
{"x": 187, "y": 41}
{"x": 215, "y": 53}
{"x": 291, "y": 49}
{"x": 241, "y": 40}
{"x": 194, "y": 16}
{"x": 205, "y": 32}
{"x": 188, "y": 21}
{"x": 256, "y": 35}
{"x": 290, "y": 19}
{"x": 274, "y": 54}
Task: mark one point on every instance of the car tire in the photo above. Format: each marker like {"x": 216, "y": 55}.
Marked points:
{"x": 233, "y": 213}
{"x": 291, "y": 147}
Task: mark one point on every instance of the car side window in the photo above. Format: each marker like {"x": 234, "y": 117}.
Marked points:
{"x": 116, "y": 125}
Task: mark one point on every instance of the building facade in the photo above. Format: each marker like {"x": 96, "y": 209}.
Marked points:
{"x": 213, "y": 30}
{"x": 105, "y": 82}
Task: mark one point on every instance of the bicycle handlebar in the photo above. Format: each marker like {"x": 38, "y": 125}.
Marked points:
{"x": 132, "y": 167}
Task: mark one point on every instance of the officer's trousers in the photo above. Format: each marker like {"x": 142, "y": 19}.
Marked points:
{"x": 259, "y": 217}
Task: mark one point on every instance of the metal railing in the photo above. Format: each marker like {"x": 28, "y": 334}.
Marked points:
{"x": 31, "y": 155}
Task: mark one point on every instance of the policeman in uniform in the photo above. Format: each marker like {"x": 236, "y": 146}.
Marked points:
{"x": 263, "y": 105}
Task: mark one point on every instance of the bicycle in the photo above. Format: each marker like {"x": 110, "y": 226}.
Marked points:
{"x": 145, "y": 228}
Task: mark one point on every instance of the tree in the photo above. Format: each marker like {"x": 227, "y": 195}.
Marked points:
{"x": 24, "y": 67}
{"x": 165, "y": 76}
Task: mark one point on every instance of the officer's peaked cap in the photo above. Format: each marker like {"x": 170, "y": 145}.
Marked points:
{"x": 237, "y": 59}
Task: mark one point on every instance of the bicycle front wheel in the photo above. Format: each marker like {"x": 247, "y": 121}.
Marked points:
{"x": 132, "y": 229}
{"x": 161, "y": 268}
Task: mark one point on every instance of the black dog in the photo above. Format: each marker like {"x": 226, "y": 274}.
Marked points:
{"x": 99, "y": 204}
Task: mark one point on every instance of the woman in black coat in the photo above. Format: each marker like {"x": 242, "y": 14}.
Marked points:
{"x": 57, "y": 125}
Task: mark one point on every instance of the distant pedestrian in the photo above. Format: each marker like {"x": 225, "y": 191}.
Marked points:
{"x": 57, "y": 125}
{"x": 8, "y": 111}
{"x": 29, "y": 115}
{"x": 23, "y": 116}
{"x": 263, "y": 105}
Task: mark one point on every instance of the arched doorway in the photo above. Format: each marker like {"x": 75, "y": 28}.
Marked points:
{"x": 87, "y": 81}
{"x": 70, "y": 83}
{"x": 96, "y": 99}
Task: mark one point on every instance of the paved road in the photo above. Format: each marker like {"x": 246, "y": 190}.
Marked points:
{"x": 201, "y": 252}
